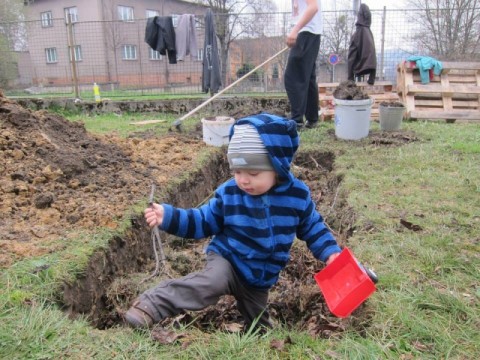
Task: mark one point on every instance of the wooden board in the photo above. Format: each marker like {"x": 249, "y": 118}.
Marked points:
{"x": 454, "y": 94}
{"x": 329, "y": 114}
{"x": 447, "y": 115}
{"x": 147, "y": 122}
{"x": 378, "y": 87}
{"x": 382, "y": 91}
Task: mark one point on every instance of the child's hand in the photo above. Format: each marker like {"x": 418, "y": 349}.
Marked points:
{"x": 331, "y": 258}
{"x": 154, "y": 215}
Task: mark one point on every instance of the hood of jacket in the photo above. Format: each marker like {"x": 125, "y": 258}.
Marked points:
{"x": 280, "y": 137}
{"x": 364, "y": 17}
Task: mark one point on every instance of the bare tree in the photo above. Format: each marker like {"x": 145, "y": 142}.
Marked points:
{"x": 231, "y": 24}
{"x": 336, "y": 38}
{"x": 114, "y": 36}
{"x": 449, "y": 29}
{"x": 12, "y": 38}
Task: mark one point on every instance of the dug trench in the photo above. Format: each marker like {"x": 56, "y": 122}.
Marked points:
{"x": 115, "y": 275}
{"x": 58, "y": 181}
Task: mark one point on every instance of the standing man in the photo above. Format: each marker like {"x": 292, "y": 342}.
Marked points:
{"x": 300, "y": 74}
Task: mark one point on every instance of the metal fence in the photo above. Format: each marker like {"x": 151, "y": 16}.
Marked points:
{"x": 65, "y": 59}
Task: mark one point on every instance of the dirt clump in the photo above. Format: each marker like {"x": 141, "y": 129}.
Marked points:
{"x": 348, "y": 90}
{"x": 394, "y": 104}
{"x": 56, "y": 179}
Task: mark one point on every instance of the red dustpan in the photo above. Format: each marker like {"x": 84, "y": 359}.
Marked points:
{"x": 344, "y": 284}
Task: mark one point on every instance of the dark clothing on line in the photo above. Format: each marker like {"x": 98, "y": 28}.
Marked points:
{"x": 211, "y": 62}
{"x": 300, "y": 71}
{"x": 362, "y": 58}
{"x": 160, "y": 36}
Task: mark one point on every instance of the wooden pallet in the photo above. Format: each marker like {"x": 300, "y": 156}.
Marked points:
{"x": 454, "y": 94}
{"x": 381, "y": 91}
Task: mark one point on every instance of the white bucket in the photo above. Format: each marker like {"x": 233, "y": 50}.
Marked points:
{"x": 390, "y": 117}
{"x": 216, "y": 130}
{"x": 352, "y": 118}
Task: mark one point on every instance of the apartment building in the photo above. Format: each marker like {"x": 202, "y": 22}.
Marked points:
{"x": 102, "y": 41}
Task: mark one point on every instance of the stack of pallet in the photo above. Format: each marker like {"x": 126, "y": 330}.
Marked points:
{"x": 454, "y": 94}
{"x": 381, "y": 91}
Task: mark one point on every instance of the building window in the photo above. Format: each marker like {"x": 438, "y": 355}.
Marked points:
{"x": 51, "y": 55}
{"x": 77, "y": 52}
{"x": 200, "y": 55}
{"x": 71, "y": 13}
{"x": 129, "y": 52}
{"x": 125, "y": 13}
{"x": 152, "y": 13}
{"x": 154, "y": 55}
{"x": 47, "y": 19}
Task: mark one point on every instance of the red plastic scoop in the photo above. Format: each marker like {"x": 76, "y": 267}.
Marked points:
{"x": 344, "y": 284}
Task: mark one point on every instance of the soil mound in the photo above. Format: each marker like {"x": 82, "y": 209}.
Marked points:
{"x": 55, "y": 177}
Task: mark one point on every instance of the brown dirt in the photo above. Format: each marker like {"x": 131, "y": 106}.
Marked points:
{"x": 56, "y": 179}
{"x": 348, "y": 90}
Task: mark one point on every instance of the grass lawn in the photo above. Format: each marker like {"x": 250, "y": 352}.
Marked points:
{"x": 418, "y": 224}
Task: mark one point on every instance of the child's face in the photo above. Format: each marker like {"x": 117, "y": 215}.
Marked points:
{"x": 255, "y": 182}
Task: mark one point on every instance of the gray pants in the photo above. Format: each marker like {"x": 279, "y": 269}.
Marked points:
{"x": 200, "y": 289}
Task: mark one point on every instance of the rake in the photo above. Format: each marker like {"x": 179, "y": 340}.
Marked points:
{"x": 178, "y": 122}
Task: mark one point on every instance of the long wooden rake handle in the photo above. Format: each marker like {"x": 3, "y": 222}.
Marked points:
{"x": 179, "y": 120}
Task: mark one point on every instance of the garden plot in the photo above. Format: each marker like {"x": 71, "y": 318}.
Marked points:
{"x": 57, "y": 181}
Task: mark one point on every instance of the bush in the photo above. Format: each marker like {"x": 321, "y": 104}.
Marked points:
{"x": 245, "y": 69}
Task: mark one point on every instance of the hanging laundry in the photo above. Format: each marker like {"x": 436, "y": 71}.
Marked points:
{"x": 160, "y": 35}
{"x": 211, "y": 62}
{"x": 427, "y": 66}
{"x": 186, "y": 37}
{"x": 362, "y": 57}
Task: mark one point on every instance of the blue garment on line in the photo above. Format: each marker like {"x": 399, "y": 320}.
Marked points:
{"x": 424, "y": 64}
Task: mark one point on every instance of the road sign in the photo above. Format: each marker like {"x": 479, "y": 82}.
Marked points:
{"x": 333, "y": 59}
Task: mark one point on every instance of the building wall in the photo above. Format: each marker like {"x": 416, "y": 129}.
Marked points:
{"x": 101, "y": 38}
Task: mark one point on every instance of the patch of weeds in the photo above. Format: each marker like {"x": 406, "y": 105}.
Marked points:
{"x": 467, "y": 147}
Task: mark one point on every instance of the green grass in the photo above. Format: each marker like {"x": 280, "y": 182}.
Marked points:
{"x": 127, "y": 124}
{"x": 427, "y": 305}
{"x": 134, "y": 95}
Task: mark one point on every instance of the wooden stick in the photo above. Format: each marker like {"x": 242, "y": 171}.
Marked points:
{"x": 179, "y": 120}
{"x": 147, "y": 122}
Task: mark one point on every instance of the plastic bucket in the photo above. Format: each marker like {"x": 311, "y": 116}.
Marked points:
{"x": 216, "y": 130}
{"x": 344, "y": 284}
{"x": 352, "y": 118}
{"x": 391, "y": 117}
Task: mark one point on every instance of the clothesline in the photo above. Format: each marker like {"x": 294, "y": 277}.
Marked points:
{"x": 161, "y": 36}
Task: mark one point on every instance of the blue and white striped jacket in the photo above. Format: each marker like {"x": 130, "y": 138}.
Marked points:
{"x": 255, "y": 233}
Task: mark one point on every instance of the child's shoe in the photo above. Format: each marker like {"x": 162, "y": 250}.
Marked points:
{"x": 138, "y": 317}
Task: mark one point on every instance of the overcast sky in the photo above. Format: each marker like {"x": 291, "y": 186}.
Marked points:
{"x": 285, "y": 5}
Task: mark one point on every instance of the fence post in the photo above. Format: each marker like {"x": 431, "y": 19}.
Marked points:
{"x": 71, "y": 47}
{"x": 382, "y": 54}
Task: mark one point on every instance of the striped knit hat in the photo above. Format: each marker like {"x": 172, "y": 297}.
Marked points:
{"x": 247, "y": 151}
{"x": 279, "y": 137}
